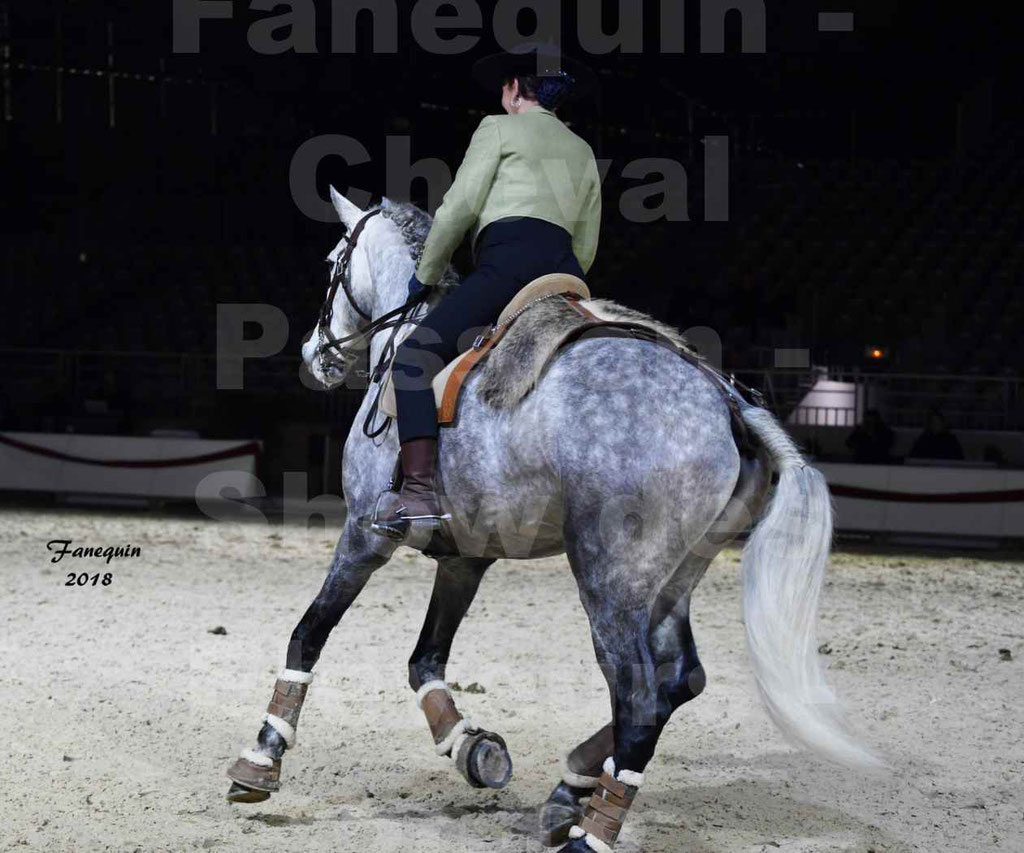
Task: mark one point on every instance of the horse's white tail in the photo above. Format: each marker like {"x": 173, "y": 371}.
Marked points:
{"x": 783, "y": 566}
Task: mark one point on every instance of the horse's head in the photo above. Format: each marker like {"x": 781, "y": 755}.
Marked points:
{"x": 369, "y": 271}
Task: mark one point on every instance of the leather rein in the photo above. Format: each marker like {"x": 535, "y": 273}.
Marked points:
{"x": 333, "y": 351}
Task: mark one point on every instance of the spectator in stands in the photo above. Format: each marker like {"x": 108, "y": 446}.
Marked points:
{"x": 936, "y": 442}
{"x": 871, "y": 440}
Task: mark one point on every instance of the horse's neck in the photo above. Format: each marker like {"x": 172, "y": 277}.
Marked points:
{"x": 380, "y": 340}
{"x": 394, "y": 294}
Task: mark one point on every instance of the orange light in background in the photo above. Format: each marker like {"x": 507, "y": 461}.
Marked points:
{"x": 877, "y": 353}
{"x": 873, "y": 353}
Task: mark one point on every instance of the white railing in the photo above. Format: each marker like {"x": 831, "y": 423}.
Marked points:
{"x": 904, "y": 399}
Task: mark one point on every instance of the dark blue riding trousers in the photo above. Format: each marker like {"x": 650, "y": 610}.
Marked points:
{"x": 510, "y": 253}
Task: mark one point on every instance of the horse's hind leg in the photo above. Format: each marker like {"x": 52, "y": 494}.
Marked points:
{"x": 257, "y": 772}
{"x": 481, "y": 756}
{"x": 647, "y": 682}
{"x": 652, "y": 668}
{"x": 650, "y": 659}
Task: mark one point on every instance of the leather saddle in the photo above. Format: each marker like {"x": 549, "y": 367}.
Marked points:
{"x": 448, "y": 382}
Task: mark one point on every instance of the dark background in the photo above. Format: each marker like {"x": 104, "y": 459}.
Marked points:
{"x": 875, "y": 200}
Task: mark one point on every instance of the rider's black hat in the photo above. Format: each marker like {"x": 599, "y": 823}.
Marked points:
{"x": 534, "y": 58}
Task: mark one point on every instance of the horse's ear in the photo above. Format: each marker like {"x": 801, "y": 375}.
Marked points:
{"x": 348, "y": 212}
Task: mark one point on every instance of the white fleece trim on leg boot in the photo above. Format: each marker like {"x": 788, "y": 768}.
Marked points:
{"x": 257, "y": 758}
{"x": 626, "y": 777}
{"x": 461, "y": 728}
{"x": 282, "y": 727}
{"x": 429, "y": 687}
{"x": 593, "y": 842}
{"x": 296, "y": 675}
{"x": 470, "y": 729}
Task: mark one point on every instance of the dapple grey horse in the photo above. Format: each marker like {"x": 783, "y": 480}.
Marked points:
{"x": 624, "y": 457}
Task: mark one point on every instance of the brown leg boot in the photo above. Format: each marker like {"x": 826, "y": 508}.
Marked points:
{"x": 606, "y": 810}
{"x": 418, "y": 506}
{"x": 564, "y": 807}
{"x": 256, "y": 774}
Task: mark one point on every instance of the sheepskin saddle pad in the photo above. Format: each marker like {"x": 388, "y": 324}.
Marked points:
{"x": 509, "y": 361}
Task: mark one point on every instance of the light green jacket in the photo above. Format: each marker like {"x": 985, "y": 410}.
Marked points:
{"x": 528, "y": 164}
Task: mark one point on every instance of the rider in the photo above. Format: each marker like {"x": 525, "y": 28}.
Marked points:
{"x": 530, "y": 192}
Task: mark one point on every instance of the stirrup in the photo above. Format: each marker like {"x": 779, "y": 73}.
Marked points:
{"x": 445, "y": 516}
{"x": 400, "y": 528}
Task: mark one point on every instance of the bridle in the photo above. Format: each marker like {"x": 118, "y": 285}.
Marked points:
{"x": 333, "y": 351}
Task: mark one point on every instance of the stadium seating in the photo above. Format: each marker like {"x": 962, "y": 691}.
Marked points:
{"x": 920, "y": 257}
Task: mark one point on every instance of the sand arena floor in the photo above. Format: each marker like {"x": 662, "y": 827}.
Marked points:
{"x": 123, "y": 710}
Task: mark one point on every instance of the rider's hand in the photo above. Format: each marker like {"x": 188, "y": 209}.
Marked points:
{"x": 415, "y": 286}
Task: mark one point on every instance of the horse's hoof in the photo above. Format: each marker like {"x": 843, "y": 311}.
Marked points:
{"x": 484, "y": 761}
{"x": 561, "y": 811}
{"x": 241, "y": 794}
{"x": 251, "y": 780}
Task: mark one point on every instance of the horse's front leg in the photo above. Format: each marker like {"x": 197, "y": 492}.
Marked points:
{"x": 481, "y": 756}
{"x": 257, "y": 771}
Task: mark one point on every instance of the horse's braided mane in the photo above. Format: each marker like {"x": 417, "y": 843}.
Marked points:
{"x": 415, "y": 226}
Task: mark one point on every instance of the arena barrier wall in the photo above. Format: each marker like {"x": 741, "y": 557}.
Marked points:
{"x": 934, "y": 500}
{"x": 151, "y": 467}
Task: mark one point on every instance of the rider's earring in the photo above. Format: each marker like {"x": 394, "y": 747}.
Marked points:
{"x": 516, "y": 101}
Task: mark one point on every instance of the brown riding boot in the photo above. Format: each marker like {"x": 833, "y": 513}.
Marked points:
{"x": 418, "y": 506}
